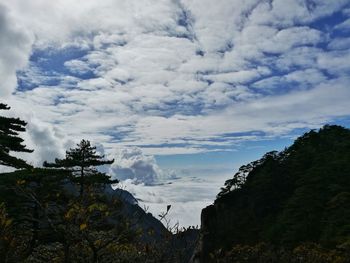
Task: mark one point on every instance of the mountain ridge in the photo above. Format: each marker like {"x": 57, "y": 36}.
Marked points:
{"x": 285, "y": 199}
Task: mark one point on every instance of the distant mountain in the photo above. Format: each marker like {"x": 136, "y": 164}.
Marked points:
{"x": 182, "y": 243}
{"x": 289, "y": 206}
{"x": 143, "y": 220}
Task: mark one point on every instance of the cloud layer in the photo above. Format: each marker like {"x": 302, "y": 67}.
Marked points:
{"x": 15, "y": 48}
{"x": 176, "y": 76}
{"x": 186, "y": 195}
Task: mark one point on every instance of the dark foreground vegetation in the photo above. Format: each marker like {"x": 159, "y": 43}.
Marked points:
{"x": 291, "y": 206}
{"x": 68, "y": 212}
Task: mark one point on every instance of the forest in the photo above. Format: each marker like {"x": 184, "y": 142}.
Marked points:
{"x": 291, "y": 206}
{"x": 288, "y": 206}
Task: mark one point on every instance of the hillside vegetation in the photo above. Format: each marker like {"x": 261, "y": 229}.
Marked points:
{"x": 289, "y": 206}
{"x": 68, "y": 212}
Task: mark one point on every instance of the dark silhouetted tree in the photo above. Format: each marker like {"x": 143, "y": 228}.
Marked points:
{"x": 10, "y": 141}
{"x": 82, "y": 162}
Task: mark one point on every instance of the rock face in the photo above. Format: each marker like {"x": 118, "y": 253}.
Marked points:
{"x": 296, "y": 196}
{"x": 209, "y": 223}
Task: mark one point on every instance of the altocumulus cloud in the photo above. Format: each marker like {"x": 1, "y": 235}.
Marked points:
{"x": 176, "y": 76}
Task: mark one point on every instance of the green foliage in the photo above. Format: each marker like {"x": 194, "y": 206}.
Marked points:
{"x": 264, "y": 253}
{"x": 288, "y": 198}
{"x": 82, "y": 162}
{"x": 42, "y": 219}
{"x": 10, "y": 140}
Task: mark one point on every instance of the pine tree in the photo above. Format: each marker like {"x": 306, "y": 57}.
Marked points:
{"x": 10, "y": 140}
{"x": 82, "y": 162}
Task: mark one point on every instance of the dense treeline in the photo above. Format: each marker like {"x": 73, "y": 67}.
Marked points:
{"x": 67, "y": 212}
{"x": 289, "y": 206}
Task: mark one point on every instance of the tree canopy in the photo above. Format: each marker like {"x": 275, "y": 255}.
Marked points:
{"x": 10, "y": 140}
{"x": 82, "y": 162}
{"x": 286, "y": 199}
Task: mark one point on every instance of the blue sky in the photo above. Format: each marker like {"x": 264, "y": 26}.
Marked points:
{"x": 174, "y": 88}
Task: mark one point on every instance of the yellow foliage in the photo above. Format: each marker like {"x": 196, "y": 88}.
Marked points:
{"x": 21, "y": 182}
{"x": 98, "y": 242}
{"x": 97, "y": 207}
{"x": 8, "y": 222}
{"x": 83, "y": 226}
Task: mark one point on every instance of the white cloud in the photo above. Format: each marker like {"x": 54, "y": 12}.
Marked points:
{"x": 77, "y": 66}
{"x": 239, "y": 77}
{"x": 15, "y": 47}
{"x": 48, "y": 143}
{"x": 345, "y": 26}
{"x": 186, "y": 195}
{"x": 6, "y": 169}
{"x": 335, "y": 62}
{"x": 131, "y": 163}
{"x": 285, "y": 13}
{"x": 175, "y": 75}
{"x": 339, "y": 43}
{"x": 300, "y": 79}
{"x": 272, "y": 40}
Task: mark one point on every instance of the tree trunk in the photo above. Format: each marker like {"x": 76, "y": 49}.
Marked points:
{"x": 95, "y": 256}
{"x": 81, "y": 181}
{"x": 35, "y": 228}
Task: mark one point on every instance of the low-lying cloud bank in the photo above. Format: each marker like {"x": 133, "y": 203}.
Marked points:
{"x": 186, "y": 195}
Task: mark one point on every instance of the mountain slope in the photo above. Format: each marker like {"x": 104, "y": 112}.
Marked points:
{"x": 43, "y": 216}
{"x": 285, "y": 199}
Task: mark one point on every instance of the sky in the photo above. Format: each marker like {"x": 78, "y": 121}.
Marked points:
{"x": 179, "y": 92}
